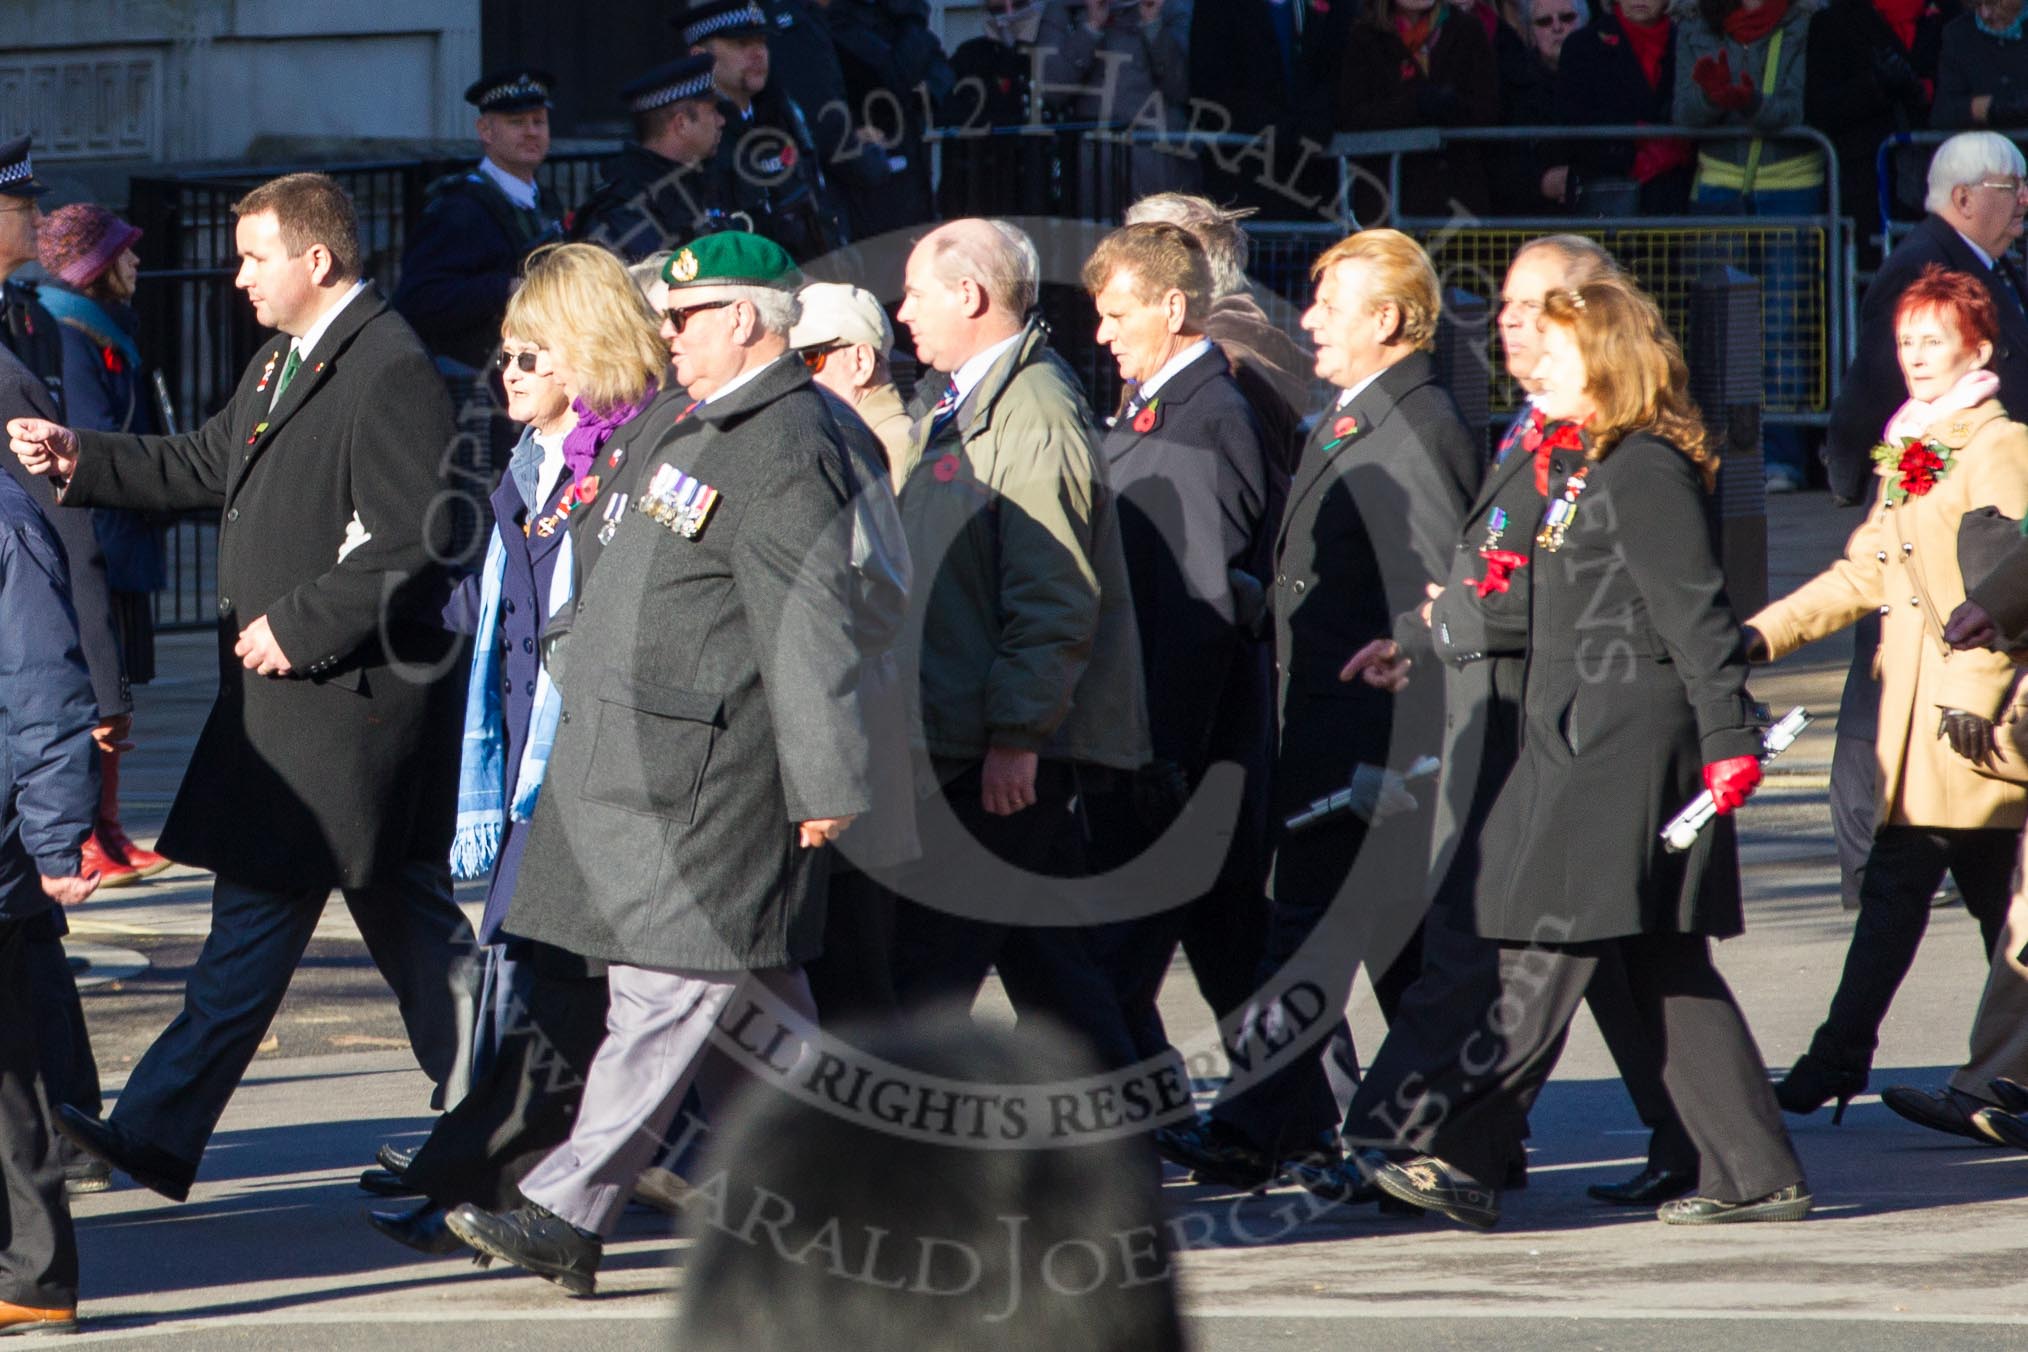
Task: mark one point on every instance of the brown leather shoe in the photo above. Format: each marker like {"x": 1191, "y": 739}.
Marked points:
{"x": 27, "y": 1319}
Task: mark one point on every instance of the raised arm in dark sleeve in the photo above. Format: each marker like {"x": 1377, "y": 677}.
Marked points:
{"x": 46, "y": 703}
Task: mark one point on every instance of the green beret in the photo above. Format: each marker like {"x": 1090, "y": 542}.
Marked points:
{"x": 729, "y": 258}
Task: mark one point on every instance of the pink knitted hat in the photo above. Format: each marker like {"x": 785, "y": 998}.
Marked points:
{"x": 79, "y": 242}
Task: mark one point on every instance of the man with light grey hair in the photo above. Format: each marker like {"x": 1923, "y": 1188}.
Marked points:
{"x": 1029, "y": 658}
{"x": 1272, "y": 368}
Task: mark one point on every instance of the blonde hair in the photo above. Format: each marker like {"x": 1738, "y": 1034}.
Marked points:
{"x": 577, "y": 299}
{"x": 1403, "y": 277}
{"x": 1633, "y": 370}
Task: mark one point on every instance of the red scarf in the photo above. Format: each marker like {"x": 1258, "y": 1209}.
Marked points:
{"x": 1541, "y": 440}
{"x": 1746, "y": 27}
{"x": 1650, "y": 42}
{"x": 1419, "y": 35}
{"x": 1901, "y": 16}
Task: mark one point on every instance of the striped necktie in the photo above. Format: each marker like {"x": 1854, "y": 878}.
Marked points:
{"x": 945, "y": 409}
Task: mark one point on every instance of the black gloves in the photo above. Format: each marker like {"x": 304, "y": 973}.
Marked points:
{"x": 1969, "y": 735}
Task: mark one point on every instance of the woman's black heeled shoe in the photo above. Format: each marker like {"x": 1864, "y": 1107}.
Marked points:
{"x": 1812, "y": 1082}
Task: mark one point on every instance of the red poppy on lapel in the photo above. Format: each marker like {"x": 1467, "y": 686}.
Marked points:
{"x": 587, "y": 488}
{"x": 1500, "y": 566}
{"x": 946, "y": 467}
{"x": 115, "y": 364}
{"x": 1344, "y": 427}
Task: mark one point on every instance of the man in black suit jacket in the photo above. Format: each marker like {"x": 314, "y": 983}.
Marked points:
{"x": 1372, "y": 513}
{"x": 329, "y": 760}
{"x": 1261, "y": 65}
{"x": 1199, "y": 501}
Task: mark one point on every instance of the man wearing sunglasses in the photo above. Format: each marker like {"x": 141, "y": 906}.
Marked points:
{"x": 844, "y": 337}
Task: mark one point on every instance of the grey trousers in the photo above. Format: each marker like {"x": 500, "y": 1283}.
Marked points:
{"x": 658, "y": 1044}
{"x": 2000, "y": 1028}
{"x": 418, "y": 938}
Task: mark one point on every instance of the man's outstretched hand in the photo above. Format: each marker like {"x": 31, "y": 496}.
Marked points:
{"x": 1380, "y": 664}
{"x": 43, "y": 447}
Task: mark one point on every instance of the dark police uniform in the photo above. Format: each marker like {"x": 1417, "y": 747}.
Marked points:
{"x": 646, "y": 202}
{"x": 768, "y": 157}
{"x": 466, "y": 253}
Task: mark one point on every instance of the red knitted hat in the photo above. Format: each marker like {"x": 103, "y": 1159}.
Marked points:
{"x": 79, "y": 242}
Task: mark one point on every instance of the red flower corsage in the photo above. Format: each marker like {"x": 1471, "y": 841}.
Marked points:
{"x": 587, "y": 488}
{"x": 1500, "y": 567}
{"x": 946, "y": 467}
{"x": 1913, "y": 467}
{"x": 1147, "y": 418}
{"x": 115, "y": 363}
{"x": 1344, "y": 427}
{"x": 1920, "y": 467}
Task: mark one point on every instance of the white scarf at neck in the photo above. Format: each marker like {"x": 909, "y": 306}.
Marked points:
{"x": 1915, "y": 418}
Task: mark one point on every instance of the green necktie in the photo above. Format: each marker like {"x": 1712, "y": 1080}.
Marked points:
{"x": 289, "y": 369}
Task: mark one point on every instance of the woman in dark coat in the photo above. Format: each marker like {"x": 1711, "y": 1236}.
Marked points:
{"x": 1422, "y": 63}
{"x": 1534, "y": 179}
{"x": 1982, "y": 71}
{"x": 583, "y": 369}
{"x": 1635, "y": 692}
{"x": 88, "y": 253}
{"x": 1621, "y": 69}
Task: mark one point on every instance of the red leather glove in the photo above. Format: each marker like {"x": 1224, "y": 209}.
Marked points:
{"x": 1732, "y": 781}
{"x": 1737, "y": 98}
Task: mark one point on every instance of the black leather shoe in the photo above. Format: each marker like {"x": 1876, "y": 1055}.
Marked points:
{"x": 155, "y": 1170}
{"x": 422, "y": 1229}
{"x": 394, "y": 1158}
{"x": 1790, "y": 1204}
{"x": 2010, "y": 1094}
{"x": 1429, "y": 1183}
{"x": 1951, "y": 1111}
{"x": 87, "y": 1175}
{"x": 1647, "y": 1188}
{"x": 1812, "y": 1082}
{"x": 1342, "y": 1182}
{"x": 2006, "y": 1128}
{"x": 533, "y": 1238}
{"x": 387, "y": 1183}
{"x": 1217, "y": 1155}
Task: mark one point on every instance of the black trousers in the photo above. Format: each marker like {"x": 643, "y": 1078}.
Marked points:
{"x": 69, "y": 1070}
{"x": 523, "y": 1104}
{"x": 1047, "y": 970}
{"x": 38, "y": 1247}
{"x": 1710, "y": 1067}
{"x": 1901, "y": 876}
{"x": 852, "y": 979}
{"x": 418, "y": 938}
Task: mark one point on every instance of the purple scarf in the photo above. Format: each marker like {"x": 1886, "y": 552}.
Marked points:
{"x": 581, "y": 445}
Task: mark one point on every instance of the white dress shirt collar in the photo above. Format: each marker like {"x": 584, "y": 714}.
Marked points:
{"x": 968, "y": 375}
{"x": 520, "y": 194}
{"x": 1355, "y": 391}
{"x": 1153, "y": 384}
{"x": 742, "y": 378}
{"x": 307, "y": 344}
{"x": 1984, "y": 257}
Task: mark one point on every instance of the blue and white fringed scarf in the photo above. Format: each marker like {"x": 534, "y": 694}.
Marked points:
{"x": 483, "y": 804}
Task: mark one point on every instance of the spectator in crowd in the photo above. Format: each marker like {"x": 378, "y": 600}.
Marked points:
{"x": 1533, "y": 178}
{"x": 480, "y": 224}
{"x": 995, "y": 72}
{"x": 896, "y": 78}
{"x": 844, "y": 337}
{"x": 1982, "y": 71}
{"x": 952, "y": 1203}
{"x": 664, "y": 186}
{"x": 1123, "y": 63}
{"x": 1200, "y": 499}
{"x": 89, "y": 255}
{"x": 1629, "y": 465}
{"x": 47, "y": 802}
{"x": 1950, "y": 451}
{"x": 1415, "y": 67}
{"x": 584, "y": 371}
{"x": 1621, "y": 70}
{"x": 1740, "y": 63}
{"x": 1028, "y": 655}
{"x": 1871, "y": 73}
{"x": 1257, "y": 65}
{"x": 1487, "y": 12}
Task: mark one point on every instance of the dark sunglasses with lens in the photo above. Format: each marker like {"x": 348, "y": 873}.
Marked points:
{"x": 1567, "y": 19}
{"x": 680, "y": 315}
{"x": 815, "y": 357}
{"x": 525, "y": 360}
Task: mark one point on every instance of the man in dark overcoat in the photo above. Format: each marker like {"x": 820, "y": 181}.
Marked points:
{"x": 329, "y": 759}
{"x": 48, "y": 798}
{"x": 1200, "y": 497}
{"x": 1372, "y": 513}
{"x": 711, "y": 747}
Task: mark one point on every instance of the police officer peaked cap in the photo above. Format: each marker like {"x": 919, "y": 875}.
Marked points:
{"x": 703, "y": 19}
{"x": 511, "y": 90}
{"x": 17, "y": 174}
{"x": 729, "y": 258}
{"x": 689, "y": 78}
